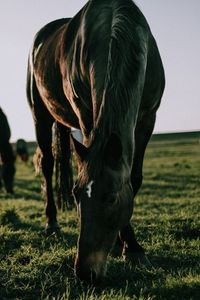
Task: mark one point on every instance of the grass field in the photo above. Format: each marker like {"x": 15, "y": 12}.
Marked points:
{"x": 166, "y": 220}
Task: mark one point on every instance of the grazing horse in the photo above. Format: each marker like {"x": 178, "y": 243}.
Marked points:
{"x": 99, "y": 72}
{"x": 7, "y": 156}
{"x": 22, "y": 150}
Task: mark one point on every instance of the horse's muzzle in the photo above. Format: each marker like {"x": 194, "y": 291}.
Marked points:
{"x": 89, "y": 276}
{"x": 89, "y": 270}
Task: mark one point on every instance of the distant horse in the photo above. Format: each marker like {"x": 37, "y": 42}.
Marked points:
{"x": 7, "y": 156}
{"x": 22, "y": 150}
{"x": 99, "y": 72}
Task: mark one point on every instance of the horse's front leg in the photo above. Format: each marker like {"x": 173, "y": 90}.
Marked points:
{"x": 132, "y": 250}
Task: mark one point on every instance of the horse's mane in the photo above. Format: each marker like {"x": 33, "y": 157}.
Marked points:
{"x": 123, "y": 70}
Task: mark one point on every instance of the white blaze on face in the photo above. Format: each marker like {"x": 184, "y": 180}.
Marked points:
{"x": 89, "y": 188}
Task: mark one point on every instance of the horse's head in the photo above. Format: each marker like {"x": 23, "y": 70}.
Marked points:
{"x": 104, "y": 200}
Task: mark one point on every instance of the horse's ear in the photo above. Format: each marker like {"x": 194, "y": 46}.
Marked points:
{"x": 113, "y": 151}
{"x": 80, "y": 150}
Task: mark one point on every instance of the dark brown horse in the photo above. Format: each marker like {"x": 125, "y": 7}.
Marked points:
{"x": 7, "y": 157}
{"x": 100, "y": 72}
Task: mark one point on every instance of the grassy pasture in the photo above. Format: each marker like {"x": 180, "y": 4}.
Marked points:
{"x": 166, "y": 220}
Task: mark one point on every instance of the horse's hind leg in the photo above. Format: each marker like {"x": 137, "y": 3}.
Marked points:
{"x": 43, "y": 126}
{"x": 44, "y": 138}
{"x": 143, "y": 132}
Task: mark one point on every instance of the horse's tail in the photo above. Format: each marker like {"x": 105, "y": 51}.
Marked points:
{"x": 63, "y": 166}
{"x": 37, "y": 161}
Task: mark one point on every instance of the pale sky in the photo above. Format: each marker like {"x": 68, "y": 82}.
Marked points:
{"x": 174, "y": 23}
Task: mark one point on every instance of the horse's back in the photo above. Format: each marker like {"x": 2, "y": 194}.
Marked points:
{"x": 154, "y": 83}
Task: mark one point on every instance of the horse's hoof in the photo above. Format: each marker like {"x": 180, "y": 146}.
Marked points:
{"x": 137, "y": 259}
{"x": 52, "y": 228}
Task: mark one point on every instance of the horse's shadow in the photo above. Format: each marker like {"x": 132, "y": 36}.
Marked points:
{"x": 28, "y": 189}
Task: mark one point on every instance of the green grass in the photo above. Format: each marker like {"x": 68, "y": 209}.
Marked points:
{"x": 166, "y": 220}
